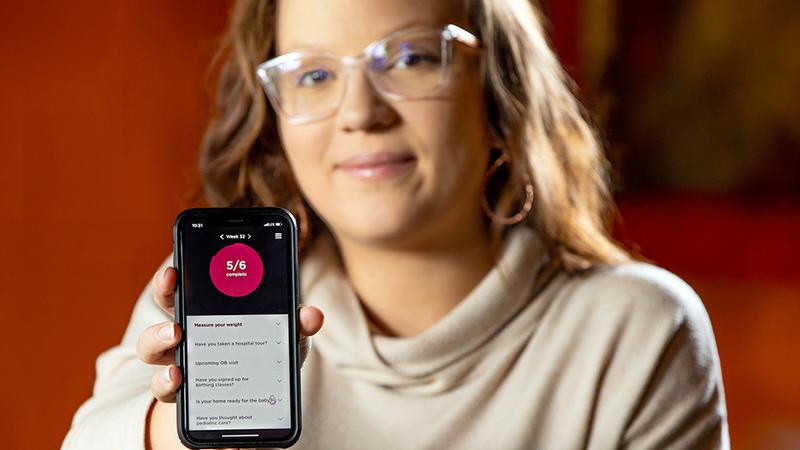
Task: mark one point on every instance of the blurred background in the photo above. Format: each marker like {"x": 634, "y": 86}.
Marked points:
{"x": 104, "y": 105}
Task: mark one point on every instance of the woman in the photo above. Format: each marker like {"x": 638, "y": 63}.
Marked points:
{"x": 453, "y": 205}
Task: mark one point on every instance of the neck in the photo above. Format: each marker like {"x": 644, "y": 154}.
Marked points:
{"x": 405, "y": 290}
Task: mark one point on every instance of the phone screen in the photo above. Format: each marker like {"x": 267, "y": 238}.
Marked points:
{"x": 237, "y": 297}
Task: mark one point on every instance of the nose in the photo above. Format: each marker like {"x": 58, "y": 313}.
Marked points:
{"x": 363, "y": 108}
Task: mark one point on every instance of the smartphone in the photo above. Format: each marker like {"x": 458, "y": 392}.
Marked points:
{"x": 236, "y": 301}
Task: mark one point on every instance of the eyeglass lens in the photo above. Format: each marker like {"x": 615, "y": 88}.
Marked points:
{"x": 408, "y": 66}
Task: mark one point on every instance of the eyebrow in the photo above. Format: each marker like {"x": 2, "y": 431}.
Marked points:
{"x": 416, "y": 23}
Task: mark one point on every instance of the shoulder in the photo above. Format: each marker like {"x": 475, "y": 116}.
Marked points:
{"x": 647, "y": 321}
{"x": 636, "y": 303}
{"x": 664, "y": 356}
{"x": 639, "y": 288}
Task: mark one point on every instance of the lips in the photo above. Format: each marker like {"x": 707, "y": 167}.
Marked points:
{"x": 377, "y": 166}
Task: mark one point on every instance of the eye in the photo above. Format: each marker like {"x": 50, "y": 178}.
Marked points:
{"x": 414, "y": 56}
{"x": 414, "y": 59}
{"x": 315, "y": 77}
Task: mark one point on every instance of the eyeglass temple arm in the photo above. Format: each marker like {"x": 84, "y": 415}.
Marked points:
{"x": 462, "y": 35}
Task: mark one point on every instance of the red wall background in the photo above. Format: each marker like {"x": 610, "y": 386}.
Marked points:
{"x": 103, "y": 107}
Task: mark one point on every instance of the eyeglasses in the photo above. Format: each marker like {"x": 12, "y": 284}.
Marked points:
{"x": 415, "y": 63}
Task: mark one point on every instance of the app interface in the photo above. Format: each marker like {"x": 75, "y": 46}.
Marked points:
{"x": 237, "y": 300}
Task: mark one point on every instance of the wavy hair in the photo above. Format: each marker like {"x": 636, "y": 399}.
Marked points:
{"x": 531, "y": 109}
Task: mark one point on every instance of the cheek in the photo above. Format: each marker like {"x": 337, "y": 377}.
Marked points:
{"x": 304, "y": 146}
{"x": 455, "y": 134}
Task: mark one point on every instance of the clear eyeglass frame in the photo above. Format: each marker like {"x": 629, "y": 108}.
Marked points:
{"x": 268, "y": 72}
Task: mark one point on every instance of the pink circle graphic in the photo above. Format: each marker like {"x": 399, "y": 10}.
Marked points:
{"x": 236, "y": 270}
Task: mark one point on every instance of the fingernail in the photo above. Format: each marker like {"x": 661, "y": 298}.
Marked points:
{"x": 166, "y": 333}
{"x": 166, "y": 376}
{"x": 164, "y": 273}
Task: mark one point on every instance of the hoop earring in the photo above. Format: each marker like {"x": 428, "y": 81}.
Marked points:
{"x": 526, "y": 207}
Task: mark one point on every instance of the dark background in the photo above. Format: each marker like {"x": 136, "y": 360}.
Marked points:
{"x": 104, "y": 105}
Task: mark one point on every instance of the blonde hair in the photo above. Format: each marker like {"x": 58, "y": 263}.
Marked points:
{"x": 531, "y": 107}
{"x": 534, "y": 112}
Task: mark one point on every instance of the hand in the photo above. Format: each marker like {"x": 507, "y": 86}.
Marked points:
{"x": 157, "y": 343}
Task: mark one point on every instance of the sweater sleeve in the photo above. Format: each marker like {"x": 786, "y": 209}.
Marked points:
{"x": 660, "y": 386}
{"x": 115, "y": 415}
{"x": 683, "y": 404}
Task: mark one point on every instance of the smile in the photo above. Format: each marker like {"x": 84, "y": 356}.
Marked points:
{"x": 377, "y": 166}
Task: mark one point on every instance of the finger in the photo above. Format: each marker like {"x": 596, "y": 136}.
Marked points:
{"x": 157, "y": 343}
{"x": 165, "y": 382}
{"x": 164, "y": 288}
{"x": 311, "y": 319}
{"x": 305, "y": 348}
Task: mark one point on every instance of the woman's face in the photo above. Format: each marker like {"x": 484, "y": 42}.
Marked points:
{"x": 381, "y": 171}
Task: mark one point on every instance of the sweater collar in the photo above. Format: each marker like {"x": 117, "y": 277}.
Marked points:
{"x": 437, "y": 358}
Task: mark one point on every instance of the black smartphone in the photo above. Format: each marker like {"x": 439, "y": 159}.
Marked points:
{"x": 236, "y": 301}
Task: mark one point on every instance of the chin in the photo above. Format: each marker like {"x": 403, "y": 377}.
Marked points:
{"x": 384, "y": 226}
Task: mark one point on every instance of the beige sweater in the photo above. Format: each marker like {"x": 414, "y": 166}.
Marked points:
{"x": 623, "y": 357}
